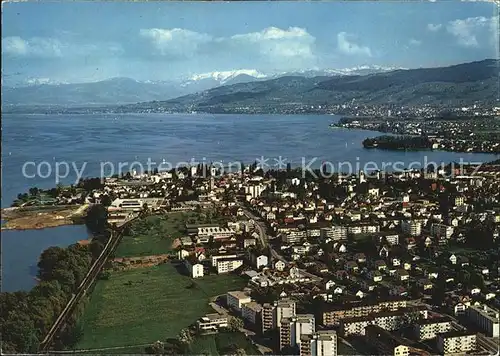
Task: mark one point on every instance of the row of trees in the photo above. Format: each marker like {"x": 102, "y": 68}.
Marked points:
{"x": 26, "y": 317}
{"x": 398, "y": 142}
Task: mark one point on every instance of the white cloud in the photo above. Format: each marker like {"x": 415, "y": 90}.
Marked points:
{"x": 35, "y": 47}
{"x": 414, "y": 42}
{"x": 346, "y": 45}
{"x": 47, "y": 47}
{"x": 272, "y": 42}
{"x": 466, "y": 31}
{"x": 276, "y": 42}
{"x": 175, "y": 41}
{"x": 434, "y": 27}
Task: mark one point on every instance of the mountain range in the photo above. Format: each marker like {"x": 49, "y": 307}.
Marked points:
{"x": 462, "y": 84}
{"x": 120, "y": 90}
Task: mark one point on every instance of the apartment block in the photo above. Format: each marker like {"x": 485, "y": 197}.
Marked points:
{"x": 236, "y": 300}
{"x": 212, "y": 322}
{"x": 487, "y": 318}
{"x": 331, "y": 315}
{"x": 251, "y": 312}
{"x": 293, "y": 328}
{"x": 320, "y": 343}
{"x": 272, "y": 314}
{"x": 428, "y": 329}
{"x": 456, "y": 342}
{"x": 226, "y": 265}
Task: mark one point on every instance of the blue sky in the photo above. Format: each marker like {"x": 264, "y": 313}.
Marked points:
{"x": 89, "y": 41}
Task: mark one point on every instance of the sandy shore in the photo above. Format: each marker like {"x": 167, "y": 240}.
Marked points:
{"x": 41, "y": 217}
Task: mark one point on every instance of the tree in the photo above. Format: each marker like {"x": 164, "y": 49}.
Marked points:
{"x": 158, "y": 348}
{"x": 19, "y": 333}
{"x": 236, "y": 324}
{"x": 185, "y": 336}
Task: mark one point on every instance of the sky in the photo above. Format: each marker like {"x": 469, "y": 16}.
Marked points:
{"x": 69, "y": 42}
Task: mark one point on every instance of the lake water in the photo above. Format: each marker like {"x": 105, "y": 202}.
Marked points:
{"x": 21, "y": 250}
{"x": 87, "y": 140}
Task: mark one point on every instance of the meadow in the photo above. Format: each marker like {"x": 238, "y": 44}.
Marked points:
{"x": 144, "y": 305}
{"x": 154, "y": 234}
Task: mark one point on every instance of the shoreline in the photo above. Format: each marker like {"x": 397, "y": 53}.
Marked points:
{"x": 37, "y": 218}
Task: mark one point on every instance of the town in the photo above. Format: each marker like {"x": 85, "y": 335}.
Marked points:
{"x": 456, "y": 134}
{"x": 402, "y": 263}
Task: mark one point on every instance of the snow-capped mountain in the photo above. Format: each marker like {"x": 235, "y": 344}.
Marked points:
{"x": 359, "y": 70}
{"x": 225, "y": 76}
{"x": 44, "y": 91}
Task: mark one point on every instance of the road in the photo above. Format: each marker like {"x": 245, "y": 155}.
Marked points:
{"x": 261, "y": 227}
{"x": 86, "y": 283}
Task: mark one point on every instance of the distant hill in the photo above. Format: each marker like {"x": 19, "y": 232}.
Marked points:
{"x": 461, "y": 84}
{"x": 111, "y": 91}
{"x": 44, "y": 93}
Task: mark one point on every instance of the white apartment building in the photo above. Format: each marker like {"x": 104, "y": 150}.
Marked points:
{"x": 363, "y": 229}
{"x": 392, "y": 239}
{"x": 212, "y": 322}
{"x": 411, "y": 227}
{"x": 285, "y": 308}
{"x": 254, "y": 191}
{"x": 454, "y": 342}
{"x": 215, "y": 258}
{"x": 226, "y": 265}
{"x": 251, "y": 311}
{"x": 355, "y": 325}
{"x": 428, "y": 329}
{"x": 261, "y": 261}
{"x": 486, "y": 318}
{"x": 196, "y": 270}
{"x": 236, "y": 299}
{"x": 335, "y": 232}
{"x": 320, "y": 343}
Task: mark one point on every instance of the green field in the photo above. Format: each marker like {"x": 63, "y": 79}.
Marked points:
{"x": 155, "y": 234}
{"x": 148, "y": 304}
{"x": 218, "y": 344}
{"x": 152, "y": 235}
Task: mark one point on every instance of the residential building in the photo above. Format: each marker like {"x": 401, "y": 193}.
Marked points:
{"x": 195, "y": 269}
{"x": 429, "y": 328}
{"x": 204, "y": 233}
{"x": 454, "y": 342}
{"x": 332, "y": 314}
{"x": 320, "y": 343}
{"x": 411, "y": 227}
{"x": 334, "y": 233}
{"x": 251, "y": 311}
{"x": 212, "y": 322}
{"x": 485, "y": 317}
{"x": 272, "y": 314}
{"x": 226, "y": 265}
{"x": 261, "y": 261}
{"x": 441, "y": 231}
{"x": 291, "y": 329}
{"x": 236, "y": 299}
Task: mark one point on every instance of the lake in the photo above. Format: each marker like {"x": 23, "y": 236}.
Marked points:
{"x": 86, "y": 141}
{"x": 21, "y": 250}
